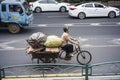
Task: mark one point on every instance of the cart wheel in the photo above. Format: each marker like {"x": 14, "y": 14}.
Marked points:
{"x": 84, "y": 57}
{"x": 62, "y": 54}
{"x": 45, "y": 60}
{"x": 55, "y": 61}
{"x": 38, "y": 60}
{"x": 42, "y": 59}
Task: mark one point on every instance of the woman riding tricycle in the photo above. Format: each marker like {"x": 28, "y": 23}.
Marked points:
{"x": 55, "y": 47}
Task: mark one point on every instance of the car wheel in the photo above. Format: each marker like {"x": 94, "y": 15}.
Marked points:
{"x": 14, "y": 28}
{"x": 81, "y": 15}
{"x": 63, "y": 9}
{"x": 112, "y": 14}
{"x": 38, "y": 9}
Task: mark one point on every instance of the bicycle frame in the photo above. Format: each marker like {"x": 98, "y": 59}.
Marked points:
{"x": 76, "y": 50}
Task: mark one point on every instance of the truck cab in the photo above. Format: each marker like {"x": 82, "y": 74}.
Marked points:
{"x": 15, "y": 15}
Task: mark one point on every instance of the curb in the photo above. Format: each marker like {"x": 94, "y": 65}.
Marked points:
{"x": 116, "y": 77}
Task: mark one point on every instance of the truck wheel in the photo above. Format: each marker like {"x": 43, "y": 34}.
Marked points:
{"x": 14, "y": 28}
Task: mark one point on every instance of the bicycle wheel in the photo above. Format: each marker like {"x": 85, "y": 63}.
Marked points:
{"x": 84, "y": 57}
{"x": 62, "y": 54}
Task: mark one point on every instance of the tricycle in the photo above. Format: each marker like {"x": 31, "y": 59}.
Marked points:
{"x": 83, "y": 57}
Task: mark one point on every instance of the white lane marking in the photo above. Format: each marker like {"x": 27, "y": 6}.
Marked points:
{"x": 12, "y": 49}
{"x": 82, "y": 39}
{"x": 118, "y": 23}
{"x": 99, "y": 46}
{"x": 68, "y": 25}
{"x": 56, "y": 16}
{"x": 5, "y": 45}
{"x": 115, "y": 43}
{"x": 13, "y": 41}
{"x": 84, "y": 46}
{"x": 95, "y": 24}
{"x": 42, "y": 25}
{"x": 78, "y": 24}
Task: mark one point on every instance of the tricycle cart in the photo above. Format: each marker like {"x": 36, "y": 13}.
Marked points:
{"x": 45, "y": 56}
{"x": 83, "y": 57}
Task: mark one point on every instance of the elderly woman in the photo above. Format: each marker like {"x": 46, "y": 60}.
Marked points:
{"x": 65, "y": 45}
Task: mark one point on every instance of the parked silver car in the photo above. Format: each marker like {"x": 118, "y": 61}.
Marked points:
{"x": 93, "y": 9}
{"x": 48, "y": 5}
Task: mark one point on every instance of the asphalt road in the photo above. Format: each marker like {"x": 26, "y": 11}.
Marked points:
{"x": 100, "y": 36}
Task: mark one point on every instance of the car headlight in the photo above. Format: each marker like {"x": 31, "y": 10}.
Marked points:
{"x": 27, "y": 22}
{"x": 117, "y": 9}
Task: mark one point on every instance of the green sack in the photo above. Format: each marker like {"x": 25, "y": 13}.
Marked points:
{"x": 53, "y": 41}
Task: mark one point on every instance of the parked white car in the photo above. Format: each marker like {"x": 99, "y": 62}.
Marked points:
{"x": 93, "y": 9}
{"x": 48, "y": 5}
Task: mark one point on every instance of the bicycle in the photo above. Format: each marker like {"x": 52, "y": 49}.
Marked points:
{"x": 83, "y": 57}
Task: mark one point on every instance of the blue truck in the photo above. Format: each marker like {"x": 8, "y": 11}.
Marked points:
{"x": 15, "y": 15}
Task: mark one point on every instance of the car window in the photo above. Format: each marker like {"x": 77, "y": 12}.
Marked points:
{"x": 51, "y": 1}
{"x": 15, "y": 8}
{"x": 25, "y": 5}
{"x": 77, "y": 4}
{"x": 43, "y": 1}
{"x": 83, "y": 5}
{"x": 3, "y": 7}
{"x": 88, "y": 5}
{"x": 98, "y": 5}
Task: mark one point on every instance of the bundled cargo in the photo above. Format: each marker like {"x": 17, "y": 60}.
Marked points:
{"x": 44, "y": 48}
{"x": 53, "y": 41}
{"x": 37, "y": 40}
{"x": 41, "y": 42}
